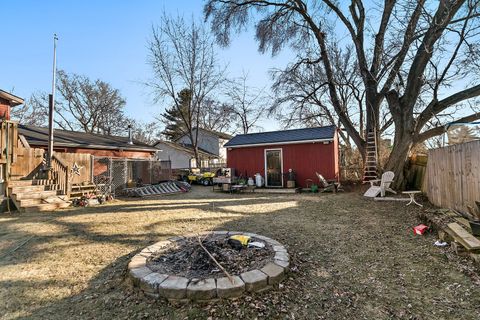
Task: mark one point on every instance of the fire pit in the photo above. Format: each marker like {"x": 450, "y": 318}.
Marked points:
{"x": 209, "y": 266}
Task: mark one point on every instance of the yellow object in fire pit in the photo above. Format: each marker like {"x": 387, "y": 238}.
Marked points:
{"x": 241, "y": 238}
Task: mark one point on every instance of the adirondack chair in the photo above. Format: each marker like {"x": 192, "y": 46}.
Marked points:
{"x": 382, "y": 187}
{"x": 328, "y": 185}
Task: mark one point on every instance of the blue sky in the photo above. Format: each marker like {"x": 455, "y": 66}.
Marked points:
{"x": 106, "y": 40}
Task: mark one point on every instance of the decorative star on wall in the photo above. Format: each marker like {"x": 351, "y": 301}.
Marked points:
{"x": 76, "y": 169}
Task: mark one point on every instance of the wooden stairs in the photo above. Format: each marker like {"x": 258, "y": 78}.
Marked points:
{"x": 36, "y": 195}
{"x": 371, "y": 162}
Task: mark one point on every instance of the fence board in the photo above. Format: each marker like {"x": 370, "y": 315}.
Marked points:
{"x": 83, "y": 161}
{"x": 453, "y": 176}
{"x": 29, "y": 160}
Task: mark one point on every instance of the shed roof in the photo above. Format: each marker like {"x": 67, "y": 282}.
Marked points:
{"x": 283, "y": 136}
{"x": 38, "y": 136}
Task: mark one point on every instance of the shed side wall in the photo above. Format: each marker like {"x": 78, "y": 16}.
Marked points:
{"x": 305, "y": 159}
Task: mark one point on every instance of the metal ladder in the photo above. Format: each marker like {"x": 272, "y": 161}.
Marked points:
{"x": 371, "y": 161}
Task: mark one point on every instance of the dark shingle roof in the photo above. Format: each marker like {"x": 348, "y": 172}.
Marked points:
{"x": 221, "y": 135}
{"x": 287, "y": 136}
{"x": 185, "y": 147}
{"x": 38, "y": 136}
{"x": 11, "y": 98}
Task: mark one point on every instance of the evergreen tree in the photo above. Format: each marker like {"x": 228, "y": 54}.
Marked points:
{"x": 176, "y": 118}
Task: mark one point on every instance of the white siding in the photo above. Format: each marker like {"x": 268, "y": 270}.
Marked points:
{"x": 206, "y": 141}
{"x": 180, "y": 159}
{"x": 222, "y": 151}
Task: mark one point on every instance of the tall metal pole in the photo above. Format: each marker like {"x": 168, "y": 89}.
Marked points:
{"x": 51, "y": 106}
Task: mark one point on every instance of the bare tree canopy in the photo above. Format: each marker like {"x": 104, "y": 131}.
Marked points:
{"x": 412, "y": 58}
{"x": 247, "y": 104}
{"x": 32, "y": 112}
{"x": 81, "y": 105}
{"x": 216, "y": 115}
{"x": 182, "y": 57}
{"x": 146, "y": 132}
{"x": 90, "y": 106}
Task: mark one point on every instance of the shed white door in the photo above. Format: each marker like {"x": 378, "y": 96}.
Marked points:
{"x": 273, "y": 168}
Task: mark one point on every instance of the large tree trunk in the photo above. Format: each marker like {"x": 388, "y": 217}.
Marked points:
{"x": 404, "y": 138}
{"x": 397, "y": 160}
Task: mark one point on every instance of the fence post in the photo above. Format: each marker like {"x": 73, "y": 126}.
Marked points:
{"x": 150, "y": 165}
{"x": 92, "y": 169}
{"x": 67, "y": 182}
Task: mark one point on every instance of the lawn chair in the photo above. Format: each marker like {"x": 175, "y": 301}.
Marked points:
{"x": 383, "y": 187}
{"x": 328, "y": 186}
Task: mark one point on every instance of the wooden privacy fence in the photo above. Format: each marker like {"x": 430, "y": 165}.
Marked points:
{"x": 453, "y": 176}
{"x": 8, "y": 141}
{"x": 416, "y": 172}
{"x": 29, "y": 161}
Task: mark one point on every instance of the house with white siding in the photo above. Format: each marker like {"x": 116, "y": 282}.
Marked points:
{"x": 180, "y": 152}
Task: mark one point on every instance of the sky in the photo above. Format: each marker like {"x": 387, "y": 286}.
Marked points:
{"x": 107, "y": 40}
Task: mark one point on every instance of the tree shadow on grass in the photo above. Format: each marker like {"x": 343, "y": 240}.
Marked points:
{"x": 350, "y": 259}
{"x": 62, "y": 225}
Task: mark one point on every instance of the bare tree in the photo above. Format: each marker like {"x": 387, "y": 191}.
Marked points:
{"x": 302, "y": 94}
{"x": 182, "y": 56}
{"x": 90, "y": 106}
{"x": 409, "y": 55}
{"x": 247, "y": 104}
{"x": 33, "y": 112}
{"x": 146, "y": 132}
{"x": 81, "y": 104}
{"x": 216, "y": 115}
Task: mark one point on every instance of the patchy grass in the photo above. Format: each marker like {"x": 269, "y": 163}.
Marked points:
{"x": 352, "y": 258}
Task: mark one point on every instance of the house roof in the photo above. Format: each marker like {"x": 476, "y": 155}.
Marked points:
{"x": 221, "y": 135}
{"x": 186, "y": 148}
{"x": 283, "y": 137}
{"x": 13, "y": 99}
{"x": 38, "y": 136}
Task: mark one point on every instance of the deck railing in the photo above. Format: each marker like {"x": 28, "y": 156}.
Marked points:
{"x": 61, "y": 175}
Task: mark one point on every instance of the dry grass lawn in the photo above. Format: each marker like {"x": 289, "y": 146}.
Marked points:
{"x": 352, "y": 259}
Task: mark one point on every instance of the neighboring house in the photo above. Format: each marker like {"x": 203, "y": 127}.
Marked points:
{"x": 180, "y": 152}
{"x": 80, "y": 142}
{"x": 8, "y": 100}
{"x": 209, "y": 141}
{"x": 272, "y": 154}
{"x": 182, "y": 157}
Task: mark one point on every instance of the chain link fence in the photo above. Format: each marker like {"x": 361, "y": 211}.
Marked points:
{"x": 113, "y": 175}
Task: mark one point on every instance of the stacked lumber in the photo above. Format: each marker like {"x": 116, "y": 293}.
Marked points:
{"x": 455, "y": 228}
{"x": 462, "y": 236}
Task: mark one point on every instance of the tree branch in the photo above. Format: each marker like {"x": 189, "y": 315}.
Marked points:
{"x": 430, "y": 133}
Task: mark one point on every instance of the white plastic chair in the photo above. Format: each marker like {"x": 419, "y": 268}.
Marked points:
{"x": 382, "y": 187}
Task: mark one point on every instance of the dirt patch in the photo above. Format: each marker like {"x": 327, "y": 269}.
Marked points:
{"x": 187, "y": 259}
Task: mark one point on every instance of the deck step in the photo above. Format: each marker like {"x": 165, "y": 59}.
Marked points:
{"x": 23, "y": 189}
{"x": 29, "y": 202}
{"x": 19, "y": 183}
{"x": 46, "y": 207}
{"x": 34, "y": 195}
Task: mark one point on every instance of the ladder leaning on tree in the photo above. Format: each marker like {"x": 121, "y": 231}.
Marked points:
{"x": 371, "y": 161}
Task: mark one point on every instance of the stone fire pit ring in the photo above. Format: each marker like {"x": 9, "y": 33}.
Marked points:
{"x": 175, "y": 288}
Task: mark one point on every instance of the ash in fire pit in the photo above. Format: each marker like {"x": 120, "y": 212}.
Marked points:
{"x": 188, "y": 259}
{"x": 221, "y": 265}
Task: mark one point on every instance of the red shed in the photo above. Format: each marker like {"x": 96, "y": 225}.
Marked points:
{"x": 305, "y": 151}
